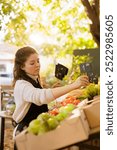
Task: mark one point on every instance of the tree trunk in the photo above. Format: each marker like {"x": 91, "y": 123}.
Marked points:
{"x": 93, "y": 14}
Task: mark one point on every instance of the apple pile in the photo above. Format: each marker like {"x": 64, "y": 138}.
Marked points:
{"x": 46, "y": 121}
{"x": 43, "y": 123}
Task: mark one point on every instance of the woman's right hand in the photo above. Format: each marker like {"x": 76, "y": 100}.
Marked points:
{"x": 81, "y": 81}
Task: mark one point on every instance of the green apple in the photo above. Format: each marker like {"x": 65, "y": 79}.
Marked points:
{"x": 60, "y": 117}
{"x": 69, "y": 107}
{"x": 43, "y": 128}
{"x": 64, "y": 112}
{"x": 52, "y": 123}
{"x": 44, "y": 116}
{"x": 34, "y": 126}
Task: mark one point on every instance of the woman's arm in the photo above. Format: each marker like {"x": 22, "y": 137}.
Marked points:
{"x": 82, "y": 81}
{"x": 25, "y": 91}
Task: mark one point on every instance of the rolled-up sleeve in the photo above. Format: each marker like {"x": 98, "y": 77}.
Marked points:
{"x": 35, "y": 95}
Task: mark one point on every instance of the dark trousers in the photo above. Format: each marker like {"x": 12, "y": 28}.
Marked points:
{"x": 15, "y": 147}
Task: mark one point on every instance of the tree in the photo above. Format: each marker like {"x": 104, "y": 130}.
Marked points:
{"x": 69, "y": 29}
{"x": 13, "y": 20}
{"x": 93, "y": 13}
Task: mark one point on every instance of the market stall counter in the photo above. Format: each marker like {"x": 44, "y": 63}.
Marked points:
{"x": 83, "y": 124}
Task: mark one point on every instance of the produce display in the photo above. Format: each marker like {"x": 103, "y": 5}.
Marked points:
{"x": 90, "y": 91}
{"x": 59, "y": 111}
{"x": 47, "y": 121}
{"x": 54, "y": 110}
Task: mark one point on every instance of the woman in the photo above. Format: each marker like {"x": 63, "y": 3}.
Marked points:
{"x": 30, "y": 98}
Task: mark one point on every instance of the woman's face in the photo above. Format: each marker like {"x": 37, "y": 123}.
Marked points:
{"x": 32, "y": 65}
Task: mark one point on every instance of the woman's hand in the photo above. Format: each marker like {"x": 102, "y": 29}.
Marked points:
{"x": 81, "y": 81}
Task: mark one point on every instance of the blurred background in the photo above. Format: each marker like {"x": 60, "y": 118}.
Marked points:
{"x": 63, "y": 31}
{"x": 76, "y": 26}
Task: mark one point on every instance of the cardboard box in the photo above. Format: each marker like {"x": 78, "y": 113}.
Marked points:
{"x": 92, "y": 113}
{"x": 72, "y": 130}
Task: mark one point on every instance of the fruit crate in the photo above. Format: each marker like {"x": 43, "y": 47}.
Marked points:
{"x": 92, "y": 113}
{"x": 70, "y": 131}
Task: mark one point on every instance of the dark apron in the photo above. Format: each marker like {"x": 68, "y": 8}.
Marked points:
{"x": 32, "y": 113}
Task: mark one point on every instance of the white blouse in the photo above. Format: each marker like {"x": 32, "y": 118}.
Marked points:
{"x": 25, "y": 94}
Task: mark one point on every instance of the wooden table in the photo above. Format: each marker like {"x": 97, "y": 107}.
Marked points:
{"x": 3, "y": 116}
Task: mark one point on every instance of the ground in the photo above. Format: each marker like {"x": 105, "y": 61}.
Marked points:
{"x": 8, "y": 139}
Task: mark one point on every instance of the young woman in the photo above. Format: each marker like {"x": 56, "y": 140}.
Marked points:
{"x": 30, "y": 98}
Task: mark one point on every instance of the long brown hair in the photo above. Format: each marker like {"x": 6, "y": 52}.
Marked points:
{"x": 20, "y": 58}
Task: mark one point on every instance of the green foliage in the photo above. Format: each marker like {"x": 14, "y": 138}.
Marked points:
{"x": 50, "y": 49}
{"x": 14, "y": 18}
{"x": 70, "y": 23}
{"x": 74, "y": 72}
{"x": 63, "y": 23}
{"x": 47, "y": 2}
